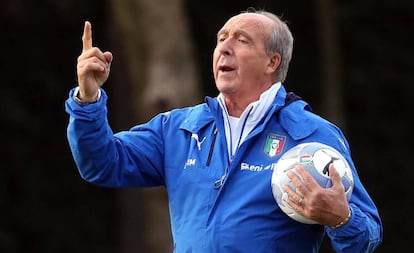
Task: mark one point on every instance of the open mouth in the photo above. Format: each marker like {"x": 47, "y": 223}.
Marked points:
{"x": 225, "y": 68}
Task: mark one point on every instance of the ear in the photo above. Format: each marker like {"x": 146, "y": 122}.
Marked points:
{"x": 274, "y": 63}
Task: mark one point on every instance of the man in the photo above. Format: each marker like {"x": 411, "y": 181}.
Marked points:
{"x": 203, "y": 155}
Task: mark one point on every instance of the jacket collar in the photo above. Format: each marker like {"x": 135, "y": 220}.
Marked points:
{"x": 198, "y": 117}
{"x": 298, "y": 125}
{"x": 201, "y": 115}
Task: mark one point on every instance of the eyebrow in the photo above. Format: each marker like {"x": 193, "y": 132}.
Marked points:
{"x": 222, "y": 31}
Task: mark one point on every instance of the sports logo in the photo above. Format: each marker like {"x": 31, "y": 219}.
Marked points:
{"x": 195, "y": 137}
{"x": 274, "y": 144}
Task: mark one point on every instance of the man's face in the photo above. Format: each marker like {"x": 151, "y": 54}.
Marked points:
{"x": 240, "y": 63}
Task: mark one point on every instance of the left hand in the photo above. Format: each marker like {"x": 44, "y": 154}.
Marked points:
{"x": 327, "y": 206}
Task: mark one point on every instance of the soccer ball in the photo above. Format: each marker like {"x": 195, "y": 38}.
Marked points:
{"x": 315, "y": 157}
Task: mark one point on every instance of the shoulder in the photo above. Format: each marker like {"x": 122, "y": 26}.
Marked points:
{"x": 187, "y": 113}
{"x": 189, "y": 118}
{"x": 301, "y": 122}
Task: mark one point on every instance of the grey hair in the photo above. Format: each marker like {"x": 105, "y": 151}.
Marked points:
{"x": 280, "y": 41}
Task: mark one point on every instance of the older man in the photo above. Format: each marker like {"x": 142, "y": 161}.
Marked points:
{"x": 204, "y": 154}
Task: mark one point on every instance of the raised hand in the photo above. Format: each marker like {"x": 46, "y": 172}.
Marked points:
{"x": 93, "y": 67}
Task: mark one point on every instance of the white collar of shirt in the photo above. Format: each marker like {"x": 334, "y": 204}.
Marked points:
{"x": 237, "y": 129}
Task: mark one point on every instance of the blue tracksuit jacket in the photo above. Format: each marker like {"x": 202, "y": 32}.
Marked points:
{"x": 240, "y": 215}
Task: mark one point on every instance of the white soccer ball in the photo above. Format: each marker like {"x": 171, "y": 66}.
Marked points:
{"x": 315, "y": 157}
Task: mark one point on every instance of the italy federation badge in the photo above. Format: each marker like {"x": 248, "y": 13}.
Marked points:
{"x": 274, "y": 144}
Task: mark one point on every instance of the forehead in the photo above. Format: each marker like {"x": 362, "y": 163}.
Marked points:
{"x": 249, "y": 22}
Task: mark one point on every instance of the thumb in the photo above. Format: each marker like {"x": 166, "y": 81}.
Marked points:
{"x": 108, "y": 56}
{"x": 335, "y": 177}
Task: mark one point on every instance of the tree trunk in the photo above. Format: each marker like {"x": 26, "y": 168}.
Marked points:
{"x": 157, "y": 73}
{"x": 332, "y": 98}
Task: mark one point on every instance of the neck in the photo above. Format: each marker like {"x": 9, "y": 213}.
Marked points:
{"x": 235, "y": 107}
{"x": 237, "y": 103}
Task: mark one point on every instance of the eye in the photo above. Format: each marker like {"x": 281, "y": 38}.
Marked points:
{"x": 221, "y": 38}
{"x": 243, "y": 39}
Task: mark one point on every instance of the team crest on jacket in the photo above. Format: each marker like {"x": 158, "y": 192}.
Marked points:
{"x": 274, "y": 144}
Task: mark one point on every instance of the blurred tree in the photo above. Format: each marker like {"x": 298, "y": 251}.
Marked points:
{"x": 330, "y": 63}
{"x": 160, "y": 72}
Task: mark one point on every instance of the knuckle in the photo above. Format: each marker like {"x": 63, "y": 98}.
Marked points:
{"x": 318, "y": 193}
{"x": 312, "y": 212}
{"x": 95, "y": 50}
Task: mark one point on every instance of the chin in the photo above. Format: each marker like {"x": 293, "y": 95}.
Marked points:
{"x": 224, "y": 87}
{"x": 228, "y": 92}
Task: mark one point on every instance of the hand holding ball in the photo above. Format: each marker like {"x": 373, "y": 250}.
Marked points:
{"x": 315, "y": 158}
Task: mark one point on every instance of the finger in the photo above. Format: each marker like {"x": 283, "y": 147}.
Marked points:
{"x": 299, "y": 180}
{"x": 308, "y": 180}
{"x": 294, "y": 200}
{"x": 93, "y": 52}
{"x": 92, "y": 66}
{"x": 334, "y": 174}
{"x": 87, "y": 36}
{"x": 294, "y": 178}
{"x": 293, "y": 194}
{"x": 294, "y": 205}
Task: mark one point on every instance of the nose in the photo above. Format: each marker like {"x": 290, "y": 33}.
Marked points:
{"x": 225, "y": 47}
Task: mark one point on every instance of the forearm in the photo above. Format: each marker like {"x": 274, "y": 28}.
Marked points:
{"x": 90, "y": 138}
{"x": 111, "y": 160}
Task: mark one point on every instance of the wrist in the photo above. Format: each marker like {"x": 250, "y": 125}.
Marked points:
{"x": 82, "y": 100}
{"x": 344, "y": 221}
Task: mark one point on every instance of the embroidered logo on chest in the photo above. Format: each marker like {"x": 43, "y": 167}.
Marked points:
{"x": 274, "y": 144}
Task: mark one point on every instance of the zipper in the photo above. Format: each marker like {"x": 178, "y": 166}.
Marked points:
{"x": 213, "y": 142}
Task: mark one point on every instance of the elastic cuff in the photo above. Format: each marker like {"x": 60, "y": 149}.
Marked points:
{"x": 79, "y": 101}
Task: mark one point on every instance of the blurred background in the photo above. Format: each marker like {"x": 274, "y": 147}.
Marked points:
{"x": 352, "y": 62}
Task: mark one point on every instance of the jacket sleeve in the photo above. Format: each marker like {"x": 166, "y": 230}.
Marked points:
{"x": 126, "y": 159}
{"x": 363, "y": 232}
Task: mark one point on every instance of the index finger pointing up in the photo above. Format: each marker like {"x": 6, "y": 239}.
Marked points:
{"x": 87, "y": 36}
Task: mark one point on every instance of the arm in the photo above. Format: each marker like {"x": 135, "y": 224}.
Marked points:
{"x": 102, "y": 157}
{"x": 360, "y": 232}
{"x": 363, "y": 232}
{"x": 126, "y": 159}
